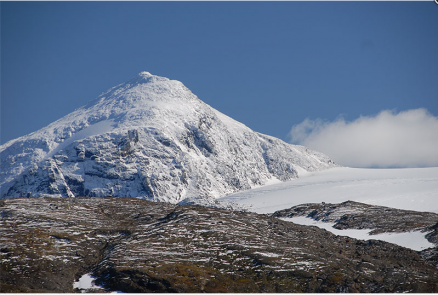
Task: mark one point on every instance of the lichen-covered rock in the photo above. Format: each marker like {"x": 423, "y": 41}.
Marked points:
{"x": 355, "y": 215}
{"x": 132, "y": 245}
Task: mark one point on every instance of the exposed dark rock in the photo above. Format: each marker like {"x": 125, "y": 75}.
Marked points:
{"x": 132, "y": 245}
{"x": 357, "y": 215}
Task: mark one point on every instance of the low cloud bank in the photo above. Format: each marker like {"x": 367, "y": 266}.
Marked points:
{"x": 389, "y": 139}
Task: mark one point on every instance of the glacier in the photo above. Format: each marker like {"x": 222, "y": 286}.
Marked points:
{"x": 407, "y": 189}
{"x": 149, "y": 138}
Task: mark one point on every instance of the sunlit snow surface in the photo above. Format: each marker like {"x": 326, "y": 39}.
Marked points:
{"x": 95, "y": 129}
{"x": 409, "y": 189}
{"x": 151, "y": 138}
{"x": 86, "y": 282}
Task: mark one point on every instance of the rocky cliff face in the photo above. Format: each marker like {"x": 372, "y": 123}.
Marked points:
{"x": 151, "y": 138}
{"x": 132, "y": 245}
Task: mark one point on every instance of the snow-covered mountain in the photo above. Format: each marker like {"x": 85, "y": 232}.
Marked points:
{"x": 152, "y": 138}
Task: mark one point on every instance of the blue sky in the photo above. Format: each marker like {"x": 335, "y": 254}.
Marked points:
{"x": 269, "y": 65}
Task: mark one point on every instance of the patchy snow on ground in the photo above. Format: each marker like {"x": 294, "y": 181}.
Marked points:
{"x": 85, "y": 283}
{"x": 414, "y": 240}
{"x": 408, "y": 189}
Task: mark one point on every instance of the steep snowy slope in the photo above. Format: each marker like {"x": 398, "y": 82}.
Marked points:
{"x": 150, "y": 137}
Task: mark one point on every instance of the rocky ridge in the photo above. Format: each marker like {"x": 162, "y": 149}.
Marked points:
{"x": 132, "y": 245}
{"x": 150, "y": 138}
{"x": 379, "y": 219}
{"x": 355, "y": 215}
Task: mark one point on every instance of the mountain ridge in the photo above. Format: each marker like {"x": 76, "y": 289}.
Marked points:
{"x": 152, "y": 138}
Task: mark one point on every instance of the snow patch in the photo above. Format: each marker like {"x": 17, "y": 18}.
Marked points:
{"x": 414, "y": 240}
{"x": 266, "y": 254}
{"x": 85, "y": 283}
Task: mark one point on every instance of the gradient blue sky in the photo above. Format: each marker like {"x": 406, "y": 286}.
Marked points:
{"x": 269, "y": 65}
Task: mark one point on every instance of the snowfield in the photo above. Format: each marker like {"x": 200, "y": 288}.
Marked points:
{"x": 409, "y": 189}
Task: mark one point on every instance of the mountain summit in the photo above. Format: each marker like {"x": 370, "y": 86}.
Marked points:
{"x": 151, "y": 138}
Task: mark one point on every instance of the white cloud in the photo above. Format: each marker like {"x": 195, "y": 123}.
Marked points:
{"x": 389, "y": 139}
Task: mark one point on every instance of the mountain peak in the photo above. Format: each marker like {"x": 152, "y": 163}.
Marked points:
{"x": 145, "y": 74}
{"x": 152, "y": 138}
{"x": 147, "y": 77}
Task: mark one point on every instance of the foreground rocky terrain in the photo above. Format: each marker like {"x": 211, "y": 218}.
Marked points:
{"x": 132, "y": 245}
